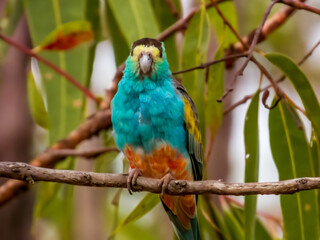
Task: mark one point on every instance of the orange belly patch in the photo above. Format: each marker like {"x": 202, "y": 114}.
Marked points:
{"x": 156, "y": 165}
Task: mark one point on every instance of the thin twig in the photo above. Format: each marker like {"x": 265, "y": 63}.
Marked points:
{"x": 173, "y": 9}
{"x": 300, "y": 5}
{"x": 247, "y": 97}
{"x": 90, "y": 153}
{"x": 225, "y": 21}
{"x": 295, "y": 105}
{"x": 31, "y": 174}
{"x": 24, "y": 49}
{"x": 208, "y": 64}
{"x": 251, "y": 49}
{"x": 178, "y": 25}
{"x": 273, "y": 83}
{"x": 238, "y": 103}
{"x": 273, "y": 23}
{"x": 309, "y": 53}
{"x": 183, "y": 22}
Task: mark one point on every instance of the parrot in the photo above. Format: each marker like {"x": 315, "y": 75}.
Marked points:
{"x": 156, "y": 126}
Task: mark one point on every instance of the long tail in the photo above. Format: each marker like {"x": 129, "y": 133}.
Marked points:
{"x": 183, "y": 216}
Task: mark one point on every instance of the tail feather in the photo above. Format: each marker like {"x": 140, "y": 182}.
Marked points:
{"x": 192, "y": 233}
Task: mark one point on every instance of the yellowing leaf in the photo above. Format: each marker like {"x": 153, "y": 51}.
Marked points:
{"x": 67, "y": 36}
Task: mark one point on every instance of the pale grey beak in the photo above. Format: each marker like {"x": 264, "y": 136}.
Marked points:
{"x": 145, "y": 62}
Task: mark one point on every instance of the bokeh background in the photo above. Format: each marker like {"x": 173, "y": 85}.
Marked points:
{"x": 52, "y": 212}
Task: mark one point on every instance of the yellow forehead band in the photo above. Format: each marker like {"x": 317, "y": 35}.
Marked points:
{"x": 141, "y": 48}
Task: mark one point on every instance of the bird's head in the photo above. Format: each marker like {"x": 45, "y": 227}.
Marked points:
{"x": 147, "y": 58}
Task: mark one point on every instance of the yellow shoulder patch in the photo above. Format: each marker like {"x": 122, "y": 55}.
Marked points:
{"x": 191, "y": 121}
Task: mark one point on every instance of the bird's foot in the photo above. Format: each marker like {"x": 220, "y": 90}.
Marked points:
{"x": 164, "y": 183}
{"x": 132, "y": 178}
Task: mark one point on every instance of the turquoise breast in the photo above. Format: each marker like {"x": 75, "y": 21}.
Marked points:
{"x": 148, "y": 112}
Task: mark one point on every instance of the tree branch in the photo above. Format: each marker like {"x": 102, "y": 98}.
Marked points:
{"x": 31, "y": 174}
{"x": 273, "y": 23}
{"x": 251, "y": 49}
{"x": 49, "y": 158}
{"x": 226, "y": 22}
{"x": 267, "y": 28}
{"x": 90, "y": 153}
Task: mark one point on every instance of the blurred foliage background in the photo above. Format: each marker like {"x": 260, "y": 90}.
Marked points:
{"x": 89, "y": 40}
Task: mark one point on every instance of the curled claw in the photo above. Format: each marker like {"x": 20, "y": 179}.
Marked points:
{"x": 132, "y": 178}
{"x": 164, "y": 183}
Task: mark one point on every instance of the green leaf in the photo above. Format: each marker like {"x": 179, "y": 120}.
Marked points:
{"x": 211, "y": 221}
{"x": 214, "y": 109}
{"x": 302, "y": 86}
{"x": 12, "y": 13}
{"x": 163, "y": 12}
{"x": 165, "y": 19}
{"x": 36, "y": 104}
{"x": 292, "y": 157}
{"x": 64, "y": 101}
{"x": 194, "y": 52}
{"x": 315, "y": 156}
{"x": 54, "y": 205}
{"x": 234, "y": 226}
{"x": 260, "y": 232}
{"x": 223, "y": 32}
{"x": 131, "y": 18}
{"x": 120, "y": 46}
{"x": 251, "y": 140}
{"x": 96, "y": 21}
{"x": 145, "y": 206}
{"x": 115, "y": 203}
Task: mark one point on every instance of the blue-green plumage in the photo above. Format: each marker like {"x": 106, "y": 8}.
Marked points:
{"x": 148, "y": 111}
